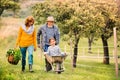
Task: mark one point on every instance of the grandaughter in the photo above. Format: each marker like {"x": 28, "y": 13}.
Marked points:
{"x": 54, "y": 50}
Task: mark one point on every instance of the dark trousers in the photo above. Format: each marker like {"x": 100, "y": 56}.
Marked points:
{"x": 48, "y": 65}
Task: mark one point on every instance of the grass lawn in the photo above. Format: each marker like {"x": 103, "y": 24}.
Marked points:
{"x": 88, "y": 68}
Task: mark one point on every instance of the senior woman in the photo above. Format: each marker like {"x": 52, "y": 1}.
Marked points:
{"x": 26, "y": 41}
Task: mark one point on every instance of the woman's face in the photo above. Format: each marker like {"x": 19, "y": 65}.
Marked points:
{"x": 31, "y": 22}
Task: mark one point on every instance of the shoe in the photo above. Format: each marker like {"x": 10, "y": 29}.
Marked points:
{"x": 23, "y": 68}
{"x": 30, "y": 68}
{"x": 47, "y": 70}
{"x": 48, "y": 67}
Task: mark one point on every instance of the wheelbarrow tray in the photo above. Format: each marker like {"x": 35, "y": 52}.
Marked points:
{"x": 58, "y": 59}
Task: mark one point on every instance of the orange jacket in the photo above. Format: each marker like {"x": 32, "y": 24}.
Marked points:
{"x": 24, "y": 39}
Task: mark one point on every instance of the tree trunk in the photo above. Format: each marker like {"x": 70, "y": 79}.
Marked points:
{"x": 75, "y": 52}
{"x": 1, "y": 11}
{"x": 106, "y": 50}
{"x": 89, "y": 45}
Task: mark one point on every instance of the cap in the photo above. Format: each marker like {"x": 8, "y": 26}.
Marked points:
{"x": 50, "y": 18}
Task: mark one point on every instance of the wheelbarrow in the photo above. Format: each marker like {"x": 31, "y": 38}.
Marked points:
{"x": 56, "y": 63}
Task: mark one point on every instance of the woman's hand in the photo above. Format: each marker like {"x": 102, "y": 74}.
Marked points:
{"x": 15, "y": 47}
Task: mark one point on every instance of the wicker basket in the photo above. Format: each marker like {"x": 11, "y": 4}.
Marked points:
{"x": 11, "y": 60}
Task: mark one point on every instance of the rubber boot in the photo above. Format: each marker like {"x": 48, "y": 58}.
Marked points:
{"x": 23, "y": 68}
{"x": 30, "y": 68}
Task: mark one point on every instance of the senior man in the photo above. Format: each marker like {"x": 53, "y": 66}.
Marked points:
{"x": 45, "y": 32}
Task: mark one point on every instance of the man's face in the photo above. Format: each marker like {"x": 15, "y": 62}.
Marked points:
{"x": 50, "y": 23}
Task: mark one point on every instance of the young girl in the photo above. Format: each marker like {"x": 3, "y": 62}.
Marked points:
{"x": 26, "y": 40}
{"x": 54, "y": 50}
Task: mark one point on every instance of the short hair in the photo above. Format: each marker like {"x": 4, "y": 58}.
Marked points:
{"x": 51, "y": 39}
{"x": 29, "y": 19}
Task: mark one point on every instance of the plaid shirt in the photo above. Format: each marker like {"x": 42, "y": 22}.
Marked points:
{"x": 42, "y": 35}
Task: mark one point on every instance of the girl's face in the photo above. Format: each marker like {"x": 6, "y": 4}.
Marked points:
{"x": 52, "y": 42}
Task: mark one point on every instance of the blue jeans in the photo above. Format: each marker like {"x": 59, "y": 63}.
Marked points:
{"x": 30, "y": 50}
{"x": 45, "y": 48}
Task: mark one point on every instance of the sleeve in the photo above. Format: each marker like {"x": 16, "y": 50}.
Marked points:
{"x": 59, "y": 50}
{"x": 34, "y": 41}
{"x": 57, "y": 36}
{"x": 38, "y": 35}
{"x": 19, "y": 36}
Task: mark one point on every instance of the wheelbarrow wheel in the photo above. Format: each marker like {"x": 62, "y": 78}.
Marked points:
{"x": 58, "y": 68}
{"x": 59, "y": 72}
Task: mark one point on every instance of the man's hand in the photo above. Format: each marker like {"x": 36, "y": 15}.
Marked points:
{"x": 45, "y": 53}
{"x": 39, "y": 46}
{"x": 34, "y": 49}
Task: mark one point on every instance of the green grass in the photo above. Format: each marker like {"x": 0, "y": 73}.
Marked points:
{"x": 87, "y": 68}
